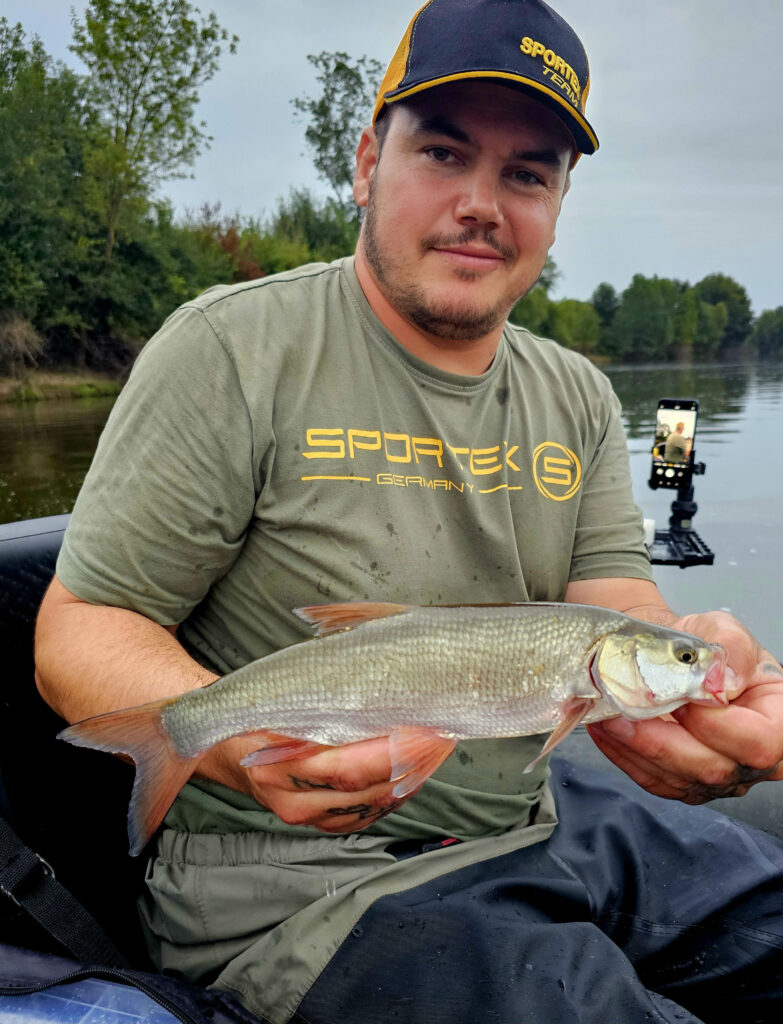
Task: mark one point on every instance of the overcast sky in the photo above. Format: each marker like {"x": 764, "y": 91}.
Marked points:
{"x": 686, "y": 101}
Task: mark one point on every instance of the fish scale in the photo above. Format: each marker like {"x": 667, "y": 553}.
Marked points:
{"x": 436, "y": 667}
{"x": 426, "y": 677}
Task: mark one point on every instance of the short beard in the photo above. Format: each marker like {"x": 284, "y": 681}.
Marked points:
{"x": 445, "y": 321}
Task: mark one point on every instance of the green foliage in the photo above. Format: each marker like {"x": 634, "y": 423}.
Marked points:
{"x": 337, "y": 117}
{"x": 91, "y": 263}
{"x": 532, "y": 311}
{"x": 574, "y": 324}
{"x": 717, "y": 288}
{"x": 605, "y": 302}
{"x": 20, "y": 345}
{"x": 146, "y": 61}
{"x": 711, "y": 328}
{"x": 41, "y": 136}
{"x": 325, "y": 228}
{"x": 648, "y": 324}
{"x": 767, "y": 334}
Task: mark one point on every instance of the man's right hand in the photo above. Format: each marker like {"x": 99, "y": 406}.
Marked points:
{"x": 337, "y": 789}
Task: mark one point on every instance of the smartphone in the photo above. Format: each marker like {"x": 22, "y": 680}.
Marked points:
{"x": 675, "y": 433}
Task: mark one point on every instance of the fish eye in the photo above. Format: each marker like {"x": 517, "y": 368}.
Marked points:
{"x": 686, "y": 655}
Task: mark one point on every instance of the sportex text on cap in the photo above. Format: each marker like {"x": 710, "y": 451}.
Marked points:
{"x": 521, "y": 43}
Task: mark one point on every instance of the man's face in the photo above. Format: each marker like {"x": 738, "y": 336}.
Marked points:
{"x": 462, "y": 207}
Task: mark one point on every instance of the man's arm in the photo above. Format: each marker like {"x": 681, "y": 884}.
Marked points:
{"x": 706, "y": 752}
{"x": 91, "y": 659}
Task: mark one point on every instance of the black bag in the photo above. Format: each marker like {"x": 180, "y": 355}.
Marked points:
{"x": 68, "y": 808}
{"x": 24, "y": 971}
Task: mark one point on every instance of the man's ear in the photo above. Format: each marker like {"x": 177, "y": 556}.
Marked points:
{"x": 366, "y": 159}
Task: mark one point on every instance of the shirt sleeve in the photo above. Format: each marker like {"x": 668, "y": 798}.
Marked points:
{"x": 166, "y": 503}
{"x": 609, "y": 537}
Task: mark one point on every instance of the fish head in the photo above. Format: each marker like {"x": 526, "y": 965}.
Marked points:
{"x": 649, "y": 673}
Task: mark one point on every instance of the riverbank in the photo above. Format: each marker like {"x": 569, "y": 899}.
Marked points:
{"x": 42, "y": 385}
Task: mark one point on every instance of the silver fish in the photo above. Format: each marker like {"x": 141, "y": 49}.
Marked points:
{"x": 427, "y": 677}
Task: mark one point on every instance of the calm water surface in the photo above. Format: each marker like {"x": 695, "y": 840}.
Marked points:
{"x": 46, "y": 447}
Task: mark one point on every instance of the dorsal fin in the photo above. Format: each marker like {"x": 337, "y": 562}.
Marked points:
{"x": 331, "y": 618}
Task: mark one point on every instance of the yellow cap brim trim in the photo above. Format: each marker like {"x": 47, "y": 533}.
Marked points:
{"x": 491, "y": 74}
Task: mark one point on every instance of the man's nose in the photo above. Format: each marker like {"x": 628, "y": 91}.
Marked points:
{"x": 479, "y": 202}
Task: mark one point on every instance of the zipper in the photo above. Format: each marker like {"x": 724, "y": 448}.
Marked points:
{"x": 107, "y": 974}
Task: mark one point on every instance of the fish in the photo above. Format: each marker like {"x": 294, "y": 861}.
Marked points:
{"x": 425, "y": 676}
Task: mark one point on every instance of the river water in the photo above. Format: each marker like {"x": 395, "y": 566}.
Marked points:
{"x": 46, "y": 448}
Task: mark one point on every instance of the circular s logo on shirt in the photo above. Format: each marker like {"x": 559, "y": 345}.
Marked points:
{"x": 557, "y": 471}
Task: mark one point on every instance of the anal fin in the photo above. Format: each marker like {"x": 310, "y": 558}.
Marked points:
{"x": 276, "y": 748}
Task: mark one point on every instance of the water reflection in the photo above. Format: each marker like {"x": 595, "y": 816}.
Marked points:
{"x": 45, "y": 450}
{"x": 721, "y": 391}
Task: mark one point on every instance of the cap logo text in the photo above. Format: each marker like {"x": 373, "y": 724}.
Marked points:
{"x": 555, "y": 68}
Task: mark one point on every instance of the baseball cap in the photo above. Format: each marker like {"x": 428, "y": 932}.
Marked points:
{"x": 521, "y": 43}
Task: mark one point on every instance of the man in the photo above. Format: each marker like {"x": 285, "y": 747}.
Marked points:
{"x": 373, "y": 429}
{"x": 678, "y": 447}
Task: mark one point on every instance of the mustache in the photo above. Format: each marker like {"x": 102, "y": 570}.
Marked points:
{"x": 466, "y": 237}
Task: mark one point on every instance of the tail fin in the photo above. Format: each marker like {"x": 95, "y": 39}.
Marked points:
{"x": 160, "y": 771}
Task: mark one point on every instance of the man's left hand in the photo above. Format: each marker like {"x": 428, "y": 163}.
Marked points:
{"x": 705, "y": 752}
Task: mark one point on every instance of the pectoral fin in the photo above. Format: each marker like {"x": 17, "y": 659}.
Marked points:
{"x": 415, "y": 754}
{"x": 574, "y": 711}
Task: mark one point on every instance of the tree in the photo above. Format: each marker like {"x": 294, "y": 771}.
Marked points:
{"x": 146, "y": 61}
{"x": 767, "y": 335}
{"x": 532, "y": 310}
{"x": 645, "y": 324}
{"x": 325, "y": 228}
{"x": 42, "y": 135}
{"x": 710, "y": 329}
{"x": 605, "y": 302}
{"x": 717, "y": 288}
{"x": 574, "y": 324}
{"x": 20, "y": 345}
{"x": 337, "y": 117}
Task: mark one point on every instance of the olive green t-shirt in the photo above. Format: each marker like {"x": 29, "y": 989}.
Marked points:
{"x": 676, "y": 447}
{"x": 276, "y": 447}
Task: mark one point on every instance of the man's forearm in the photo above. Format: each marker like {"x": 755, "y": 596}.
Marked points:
{"x": 91, "y": 659}
{"x": 638, "y": 598}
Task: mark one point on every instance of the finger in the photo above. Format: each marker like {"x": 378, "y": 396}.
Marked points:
{"x": 354, "y": 817}
{"x": 663, "y": 757}
{"x": 330, "y": 810}
{"x": 638, "y": 771}
{"x": 749, "y": 732}
{"x": 769, "y": 668}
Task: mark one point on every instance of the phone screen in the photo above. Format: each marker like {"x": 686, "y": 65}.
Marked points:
{"x": 675, "y": 432}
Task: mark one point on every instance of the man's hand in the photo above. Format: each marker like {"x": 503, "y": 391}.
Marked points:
{"x": 708, "y": 752}
{"x": 337, "y": 789}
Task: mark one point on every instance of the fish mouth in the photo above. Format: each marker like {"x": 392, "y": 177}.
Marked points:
{"x": 714, "y": 679}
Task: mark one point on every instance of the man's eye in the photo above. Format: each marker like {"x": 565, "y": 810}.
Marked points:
{"x": 439, "y": 154}
{"x": 526, "y": 177}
